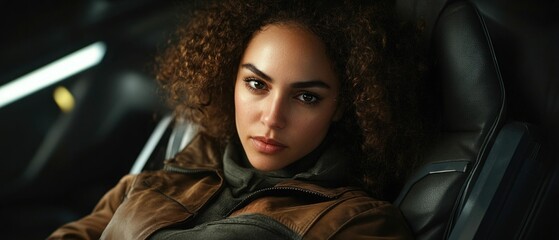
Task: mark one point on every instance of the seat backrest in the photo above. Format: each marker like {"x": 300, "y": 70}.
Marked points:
{"x": 503, "y": 199}
{"x": 472, "y": 110}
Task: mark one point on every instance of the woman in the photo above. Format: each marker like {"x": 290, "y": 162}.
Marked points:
{"x": 304, "y": 107}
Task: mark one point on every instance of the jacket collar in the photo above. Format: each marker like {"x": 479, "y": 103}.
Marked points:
{"x": 203, "y": 152}
{"x": 323, "y": 170}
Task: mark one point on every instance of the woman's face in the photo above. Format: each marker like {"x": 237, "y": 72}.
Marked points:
{"x": 285, "y": 96}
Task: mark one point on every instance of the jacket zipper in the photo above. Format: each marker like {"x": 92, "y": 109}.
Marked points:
{"x": 251, "y": 196}
{"x": 170, "y": 168}
{"x": 258, "y": 192}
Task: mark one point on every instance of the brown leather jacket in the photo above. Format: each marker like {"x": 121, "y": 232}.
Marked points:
{"x": 141, "y": 204}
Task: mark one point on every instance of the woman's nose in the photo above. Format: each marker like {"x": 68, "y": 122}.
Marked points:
{"x": 273, "y": 114}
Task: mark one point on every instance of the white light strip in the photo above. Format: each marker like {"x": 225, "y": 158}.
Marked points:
{"x": 151, "y": 144}
{"x": 53, "y": 72}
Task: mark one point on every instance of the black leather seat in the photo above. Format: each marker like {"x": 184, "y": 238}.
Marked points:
{"x": 473, "y": 182}
{"x": 472, "y": 111}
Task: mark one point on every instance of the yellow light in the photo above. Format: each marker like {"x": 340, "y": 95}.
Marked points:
{"x": 52, "y": 73}
{"x": 64, "y": 99}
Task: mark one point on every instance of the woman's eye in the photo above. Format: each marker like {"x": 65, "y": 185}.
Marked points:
{"x": 255, "y": 84}
{"x": 308, "y": 98}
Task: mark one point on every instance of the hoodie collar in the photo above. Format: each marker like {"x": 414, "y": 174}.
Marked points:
{"x": 326, "y": 166}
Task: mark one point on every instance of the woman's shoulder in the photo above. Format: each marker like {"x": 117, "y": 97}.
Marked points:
{"x": 320, "y": 212}
{"x": 357, "y": 214}
{"x": 203, "y": 151}
{"x": 351, "y": 202}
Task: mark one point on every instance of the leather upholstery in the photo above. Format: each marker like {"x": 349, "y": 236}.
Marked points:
{"x": 472, "y": 108}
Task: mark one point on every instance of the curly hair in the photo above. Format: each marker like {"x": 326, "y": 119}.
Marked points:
{"x": 373, "y": 54}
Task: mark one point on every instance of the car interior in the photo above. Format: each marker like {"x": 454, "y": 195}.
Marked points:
{"x": 491, "y": 171}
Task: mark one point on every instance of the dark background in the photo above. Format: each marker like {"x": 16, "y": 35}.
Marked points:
{"x": 77, "y": 155}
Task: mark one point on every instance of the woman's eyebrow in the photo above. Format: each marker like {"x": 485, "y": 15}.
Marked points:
{"x": 304, "y": 84}
{"x": 256, "y": 71}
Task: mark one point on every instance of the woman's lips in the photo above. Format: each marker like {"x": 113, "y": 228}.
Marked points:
{"x": 267, "y": 145}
